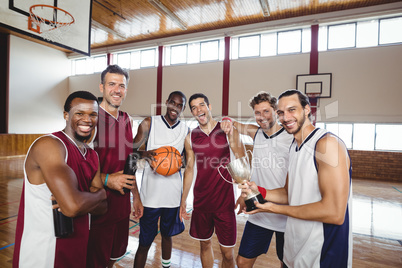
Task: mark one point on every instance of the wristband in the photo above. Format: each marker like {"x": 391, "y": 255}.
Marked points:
{"x": 262, "y": 191}
{"x": 107, "y": 177}
{"x": 226, "y": 118}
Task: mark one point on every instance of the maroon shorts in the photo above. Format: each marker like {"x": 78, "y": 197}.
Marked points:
{"x": 203, "y": 225}
{"x": 107, "y": 242}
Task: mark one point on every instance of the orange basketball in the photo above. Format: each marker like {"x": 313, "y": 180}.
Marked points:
{"x": 168, "y": 161}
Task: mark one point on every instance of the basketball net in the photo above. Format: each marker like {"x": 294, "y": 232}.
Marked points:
{"x": 51, "y": 22}
{"x": 313, "y": 98}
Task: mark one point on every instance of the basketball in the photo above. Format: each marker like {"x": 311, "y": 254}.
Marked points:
{"x": 168, "y": 161}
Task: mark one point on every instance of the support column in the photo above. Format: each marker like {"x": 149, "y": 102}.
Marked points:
{"x": 4, "y": 81}
{"x": 226, "y": 77}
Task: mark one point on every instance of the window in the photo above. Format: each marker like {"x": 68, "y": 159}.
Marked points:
{"x": 341, "y": 36}
{"x": 123, "y": 60}
{"x": 148, "y": 58}
{"x": 367, "y": 33}
{"x": 289, "y": 42}
{"x": 249, "y": 46}
{"x": 388, "y": 137}
{"x": 178, "y": 54}
{"x": 390, "y": 30}
{"x": 343, "y": 131}
{"x": 363, "y": 136}
{"x": 268, "y": 44}
{"x": 210, "y": 50}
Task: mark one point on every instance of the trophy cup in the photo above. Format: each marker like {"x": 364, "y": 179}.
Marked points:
{"x": 240, "y": 171}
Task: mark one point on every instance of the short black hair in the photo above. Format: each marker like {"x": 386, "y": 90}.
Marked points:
{"x": 302, "y": 97}
{"x": 196, "y": 96}
{"x": 177, "y": 92}
{"x": 78, "y": 94}
{"x": 114, "y": 69}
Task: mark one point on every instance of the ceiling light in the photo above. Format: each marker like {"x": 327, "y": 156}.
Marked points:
{"x": 108, "y": 30}
{"x": 265, "y": 7}
{"x": 162, "y": 8}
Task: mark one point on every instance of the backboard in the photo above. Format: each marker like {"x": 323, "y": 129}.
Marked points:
{"x": 72, "y": 15}
{"x": 317, "y": 84}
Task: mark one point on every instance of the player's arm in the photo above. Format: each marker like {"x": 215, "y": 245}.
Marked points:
{"x": 236, "y": 144}
{"x": 227, "y": 125}
{"x": 333, "y": 178}
{"x": 46, "y": 164}
{"x": 188, "y": 176}
{"x": 96, "y": 186}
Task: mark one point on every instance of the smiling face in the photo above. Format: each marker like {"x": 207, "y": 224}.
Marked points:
{"x": 291, "y": 114}
{"x": 175, "y": 106}
{"x": 81, "y": 119}
{"x": 114, "y": 89}
{"x": 265, "y": 115}
{"x": 201, "y": 111}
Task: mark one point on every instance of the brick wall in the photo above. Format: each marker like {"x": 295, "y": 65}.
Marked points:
{"x": 376, "y": 165}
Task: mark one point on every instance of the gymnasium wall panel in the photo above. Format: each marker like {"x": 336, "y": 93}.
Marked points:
{"x": 38, "y": 87}
{"x": 366, "y": 85}
{"x": 271, "y": 74}
{"x": 203, "y": 78}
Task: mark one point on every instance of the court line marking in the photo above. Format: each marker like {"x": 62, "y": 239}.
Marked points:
{"x": 397, "y": 189}
{"x": 7, "y": 246}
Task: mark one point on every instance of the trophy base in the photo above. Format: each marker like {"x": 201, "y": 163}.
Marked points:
{"x": 250, "y": 202}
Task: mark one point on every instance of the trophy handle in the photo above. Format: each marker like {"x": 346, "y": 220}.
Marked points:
{"x": 222, "y": 176}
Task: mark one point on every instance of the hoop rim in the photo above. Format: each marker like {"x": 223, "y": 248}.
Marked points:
{"x": 31, "y": 13}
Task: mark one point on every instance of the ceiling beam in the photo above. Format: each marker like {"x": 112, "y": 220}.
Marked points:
{"x": 165, "y": 11}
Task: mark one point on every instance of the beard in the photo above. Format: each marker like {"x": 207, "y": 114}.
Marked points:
{"x": 299, "y": 123}
{"x": 81, "y": 138}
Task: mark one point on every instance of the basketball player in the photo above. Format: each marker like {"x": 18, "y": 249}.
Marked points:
{"x": 318, "y": 191}
{"x": 63, "y": 166}
{"x": 270, "y": 165}
{"x": 161, "y": 195}
{"x": 209, "y": 147}
{"x": 113, "y": 141}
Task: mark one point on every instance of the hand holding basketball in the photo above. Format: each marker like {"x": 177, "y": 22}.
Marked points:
{"x": 167, "y": 161}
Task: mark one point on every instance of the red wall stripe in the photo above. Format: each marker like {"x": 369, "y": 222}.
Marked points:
{"x": 159, "y": 82}
{"x": 314, "y": 50}
{"x": 226, "y": 77}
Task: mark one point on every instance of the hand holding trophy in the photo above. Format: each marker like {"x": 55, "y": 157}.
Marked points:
{"x": 240, "y": 171}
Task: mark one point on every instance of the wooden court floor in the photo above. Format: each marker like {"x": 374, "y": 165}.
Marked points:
{"x": 377, "y": 227}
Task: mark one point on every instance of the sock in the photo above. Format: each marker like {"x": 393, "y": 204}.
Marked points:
{"x": 166, "y": 263}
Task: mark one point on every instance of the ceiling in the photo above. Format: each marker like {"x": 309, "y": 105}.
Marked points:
{"x": 134, "y": 22}
{"x": 129, "y": 21}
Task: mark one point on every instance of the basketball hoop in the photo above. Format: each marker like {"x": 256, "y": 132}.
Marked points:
{"x": 51, "y": 22}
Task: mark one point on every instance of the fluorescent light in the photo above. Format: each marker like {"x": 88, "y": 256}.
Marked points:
{"x": 162, "y": 8}
{"x": 265, "y": 7}
{"x": 108, "y": 30}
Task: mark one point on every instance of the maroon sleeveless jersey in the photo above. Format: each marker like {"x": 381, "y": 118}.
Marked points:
{"x": 211, "y": 192}
{"x": 113, "y": 143}
{"x": 72, "y": 250}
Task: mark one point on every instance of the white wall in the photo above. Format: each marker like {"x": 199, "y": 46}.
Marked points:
{"x": 38, "y": 87}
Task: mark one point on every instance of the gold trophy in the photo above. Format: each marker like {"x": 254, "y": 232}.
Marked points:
{"x": 240, "y": 171}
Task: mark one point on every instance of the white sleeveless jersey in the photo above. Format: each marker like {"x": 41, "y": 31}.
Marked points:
{"x": 270, "y": 166}
{"x": 313, "y": 243}
{"x": 157, "y": 190}
{"x": 39, "y": 230}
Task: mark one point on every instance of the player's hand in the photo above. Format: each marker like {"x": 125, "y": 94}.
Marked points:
{"x": 183, "y": 212}
{"x": 241, "y": 204}
{"x": 117, "y": 181}
{"x": 54, "y": 204}
{"x": 266, "y": 207}
{"x": 227, "y": 126}
{"x": 148, "y": 155}
{"x": 247, "y": 187}
{"x": 138, "y": 208}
